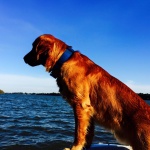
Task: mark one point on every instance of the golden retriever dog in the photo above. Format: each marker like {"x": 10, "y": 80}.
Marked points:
{"x": 95, "y": 95}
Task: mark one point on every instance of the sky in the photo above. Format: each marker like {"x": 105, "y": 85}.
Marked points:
{"x": 114, "y": 34}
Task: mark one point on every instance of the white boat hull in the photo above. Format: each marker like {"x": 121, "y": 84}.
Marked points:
{"x": 108, "y": 147}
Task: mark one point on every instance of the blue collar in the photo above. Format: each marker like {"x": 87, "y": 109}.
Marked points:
{"x": 64, "y": 57}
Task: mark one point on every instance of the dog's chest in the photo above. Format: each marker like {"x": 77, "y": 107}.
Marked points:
{"x": 64, "y": 89}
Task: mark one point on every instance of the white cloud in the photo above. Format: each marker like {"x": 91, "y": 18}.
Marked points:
{"x": 19, "y": 83}
{"x": 137, "y": 87}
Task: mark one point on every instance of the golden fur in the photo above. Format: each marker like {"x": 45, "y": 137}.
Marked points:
{"x": 95, "y": 96}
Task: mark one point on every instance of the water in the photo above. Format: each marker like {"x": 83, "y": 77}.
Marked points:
{"x": 33, "y": 122}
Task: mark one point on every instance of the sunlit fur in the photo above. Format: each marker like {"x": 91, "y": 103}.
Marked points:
{"x": 95, "y": 96}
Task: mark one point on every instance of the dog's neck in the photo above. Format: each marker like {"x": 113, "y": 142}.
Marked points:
{"x": 64, "y": 57}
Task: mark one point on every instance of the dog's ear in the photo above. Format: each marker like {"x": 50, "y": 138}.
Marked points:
{"x": 43, "y": 45}
{"x": 49, "y": 42}
{"x": 56, "y": 49}
{"x": 48, "y": 50}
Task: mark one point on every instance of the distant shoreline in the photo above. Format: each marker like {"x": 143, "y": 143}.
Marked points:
{"x": 142, "y": 95}
{"x": 48, "y": 94}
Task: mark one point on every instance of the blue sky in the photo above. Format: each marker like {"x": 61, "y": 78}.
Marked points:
{"x": 114, "y": 34}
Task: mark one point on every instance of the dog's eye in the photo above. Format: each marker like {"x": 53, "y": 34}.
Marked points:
{"x": 40, "y": 47}
{"x": 41, "y": 50}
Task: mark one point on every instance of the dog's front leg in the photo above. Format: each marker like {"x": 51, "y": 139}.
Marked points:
{"x": 90, "y": 133}
{"x": 84, "y": 126}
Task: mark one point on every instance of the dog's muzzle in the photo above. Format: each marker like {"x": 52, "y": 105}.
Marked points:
{"x": 31, "y": 59}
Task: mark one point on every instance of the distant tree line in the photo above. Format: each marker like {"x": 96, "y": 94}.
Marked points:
{"x": 48, "y": 94}
{"x": 144, "y": 96}
{"x": 1, "y": 91}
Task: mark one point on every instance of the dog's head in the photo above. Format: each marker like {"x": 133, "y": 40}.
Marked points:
{"x": 46, "y": 51}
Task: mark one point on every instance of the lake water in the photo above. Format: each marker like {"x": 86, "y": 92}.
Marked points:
{"x": 34, "y": 122}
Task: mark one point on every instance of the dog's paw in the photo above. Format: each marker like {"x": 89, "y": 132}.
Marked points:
{"x": 67, "y": 149}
